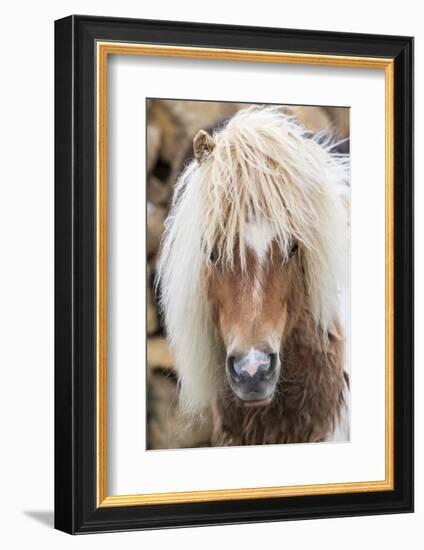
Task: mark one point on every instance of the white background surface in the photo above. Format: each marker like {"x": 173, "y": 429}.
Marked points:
{"x": 134, "y": 470}
{"x": 26, "y": 289}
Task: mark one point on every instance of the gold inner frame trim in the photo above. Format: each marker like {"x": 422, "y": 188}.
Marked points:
{"x": 103, "y": 50}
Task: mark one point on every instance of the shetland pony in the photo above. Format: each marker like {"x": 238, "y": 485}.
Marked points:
{"x": 251, "y": 267}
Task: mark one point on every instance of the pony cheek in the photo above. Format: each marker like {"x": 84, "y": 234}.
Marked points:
{"x": 218, "y": 322}
{"x": 214, "y": 313}
{"x": 279, "y": 328}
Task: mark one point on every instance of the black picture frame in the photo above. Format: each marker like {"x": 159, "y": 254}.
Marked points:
{"x": 76, "y": 510}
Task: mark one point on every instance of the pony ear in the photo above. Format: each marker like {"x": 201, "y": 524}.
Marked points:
{"x": 203, "y": 145}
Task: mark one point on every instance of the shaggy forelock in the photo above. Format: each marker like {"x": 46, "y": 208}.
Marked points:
{"x": 267, "y": 170}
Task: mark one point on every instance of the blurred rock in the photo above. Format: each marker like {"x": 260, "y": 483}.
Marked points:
{"x": 314, "y": 119}
{"x": 340, "y": 120}
{"x": 158, "y": 193}
{"x": 173, "y": 134}
{"x": 155, "y": 225}
{"x": 179, "y": 122}
{"x": 153, "y": 145}
{"x": 152, "y": 316}
{"x": 196, "y": 115}
{"x": 167, "y": 428}
{"x": 159, "y": 354}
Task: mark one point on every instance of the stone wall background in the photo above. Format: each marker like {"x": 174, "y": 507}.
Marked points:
{"x": 171, "y": 126}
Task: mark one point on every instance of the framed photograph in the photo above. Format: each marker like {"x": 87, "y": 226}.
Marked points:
{"x": 234, "y": 274}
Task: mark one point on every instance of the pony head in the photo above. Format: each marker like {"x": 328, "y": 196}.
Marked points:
{"x": 256, "y": 237}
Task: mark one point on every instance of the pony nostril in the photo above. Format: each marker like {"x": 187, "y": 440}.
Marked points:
{"x": 267, "y": 369}
{"x": 272, "y": 362}
{"x": 231, "y": 368}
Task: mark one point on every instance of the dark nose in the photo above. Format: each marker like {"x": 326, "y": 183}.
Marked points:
{"x": 252, "y": 373}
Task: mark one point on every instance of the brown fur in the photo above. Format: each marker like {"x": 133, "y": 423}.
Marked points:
{"x": 309, "y": 392}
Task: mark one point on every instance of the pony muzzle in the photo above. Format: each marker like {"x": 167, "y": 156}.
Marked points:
{"x": 252, "y": 376}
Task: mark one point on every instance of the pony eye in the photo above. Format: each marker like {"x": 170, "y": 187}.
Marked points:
{"x": 213, "y": 256}
{"x": 293, "y": 250}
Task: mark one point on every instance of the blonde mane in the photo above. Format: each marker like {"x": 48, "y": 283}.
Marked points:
{"x": 264, "y": 168}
